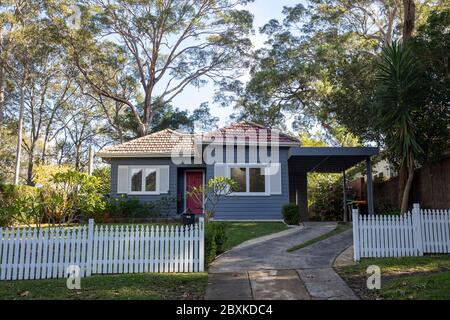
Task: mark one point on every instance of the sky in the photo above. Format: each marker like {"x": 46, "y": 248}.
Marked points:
{"x": 263, "y": 11}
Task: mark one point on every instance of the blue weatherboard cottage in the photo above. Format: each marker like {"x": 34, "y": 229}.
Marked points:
{"x": 270, "y": 169}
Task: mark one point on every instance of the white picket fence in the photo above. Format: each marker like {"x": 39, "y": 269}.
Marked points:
{"x": 411, "y": 234}
{"x": 42, "y": 253}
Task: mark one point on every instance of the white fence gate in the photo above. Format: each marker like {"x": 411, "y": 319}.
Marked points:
{"x": 410, "y": 234}
{"x": 41, "y": 253}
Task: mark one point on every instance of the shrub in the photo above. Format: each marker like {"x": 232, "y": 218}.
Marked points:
{"x": 387, "y": 209}
{"x": 291, "y": 214}
{"x": 19, "y": 204}
{"x": 70, "y": 195}
{"x": 215, "y": 238}
{"x": 104, "y": 176}
{"x": 131, "y": 207}
{"x": 221, "y": 237}
{"x": 43, "y": 174}
{"x": 325, "y": 195}
{"x": 210, "y": 245}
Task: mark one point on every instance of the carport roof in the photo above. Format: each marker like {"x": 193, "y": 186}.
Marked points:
{"x": 327, "y": 159}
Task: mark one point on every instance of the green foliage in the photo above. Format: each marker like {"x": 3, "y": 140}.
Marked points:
{"x": 387, "y": 209}
{"x": 322, "y": 68}
{"x": 71, "y": 195}
{"x": 291, "y": 214}
{"x": 207, "y": 40}
{"x": 325, "y": 196}
{"x": 43, "y": 174}
{"x": 221, "y": 236}
{"x": 103, "y": 175}
{"x": 131, "y": 207}
{"x": 216, "y": 237}
{"x": 210, "y": 244}
{"x": 19, "y": 205}
{"x": 397, "y": 101}
{"x": 431, "y": 47}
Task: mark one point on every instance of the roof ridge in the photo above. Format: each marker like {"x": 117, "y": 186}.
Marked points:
{"x": 255, "y": 124}
{"x": 176, "y": 132}
{"x": 152, "y": 134}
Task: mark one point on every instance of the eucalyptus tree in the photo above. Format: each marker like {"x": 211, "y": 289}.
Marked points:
{"x": 163, "y": 45}
{"x": 22, "y": 16}
{"x": 319, "y": 62}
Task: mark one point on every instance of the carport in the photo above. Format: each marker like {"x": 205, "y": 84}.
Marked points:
{"x": 325, "y": 160}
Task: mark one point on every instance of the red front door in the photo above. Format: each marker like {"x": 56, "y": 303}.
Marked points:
{"x": 194, "y": 179}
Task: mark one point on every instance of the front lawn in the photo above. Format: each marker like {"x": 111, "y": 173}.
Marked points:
{"x": 239, "y": 232}
{"x": 426, "y": 277}
{"x": 153, "y": 286}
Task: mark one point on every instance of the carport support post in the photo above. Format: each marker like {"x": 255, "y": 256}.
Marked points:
{"x": 344, "y": 185}
{"x": 369, "y": 186}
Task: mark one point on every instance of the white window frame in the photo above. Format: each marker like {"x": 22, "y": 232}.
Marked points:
{"x": 143, "y": 192}
{"x": 247, "y": 167}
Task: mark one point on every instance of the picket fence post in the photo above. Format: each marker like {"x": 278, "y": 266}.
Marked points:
{"x": 201, "y": 251}
{"x": 90, "y": 243}
{"x": 356, "y": 245}
{"x": 417, "y": 226}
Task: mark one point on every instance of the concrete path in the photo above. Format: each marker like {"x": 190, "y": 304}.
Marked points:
{"x": 265, "y": 270}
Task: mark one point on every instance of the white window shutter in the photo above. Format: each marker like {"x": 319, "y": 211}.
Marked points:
{"x": 274, "y": 173}
{"x": 122, "y": 179}
{"x": 164, "y": 177}
{"x": 220, "y": 170}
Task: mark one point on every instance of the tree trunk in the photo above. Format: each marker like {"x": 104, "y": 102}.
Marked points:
{"x": 409, "y": 181}
{"x": 402, "y": 177}
{"x": 2, "y": 87}
{"x": 30, "y": 166}
{"x": 143, "y": 129}
{"x": 78, "y": 157}
{"x": 2, "y": 97}
{"x": 19, "y": 134}
{"x": 409, "y": 17}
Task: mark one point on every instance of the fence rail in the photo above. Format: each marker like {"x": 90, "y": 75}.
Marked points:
{"x": 41, "y": 253}
{"x": 412, "y": 234}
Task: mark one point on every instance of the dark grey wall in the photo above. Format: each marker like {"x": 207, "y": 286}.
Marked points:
{"x": 230, "y": 208}
{"x": 255, "y": 207}
{"x": 146, "y": 161}
{"x": 298, "y": 192}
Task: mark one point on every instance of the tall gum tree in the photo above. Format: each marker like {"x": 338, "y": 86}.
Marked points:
{"x": 166, "y": 45}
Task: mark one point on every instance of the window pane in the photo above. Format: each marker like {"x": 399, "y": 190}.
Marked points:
{"x": 238, "y": 175}
{"x": 257, "y": 180}
{"x": 150, "y": 180}
{"x": 136, "y": 180}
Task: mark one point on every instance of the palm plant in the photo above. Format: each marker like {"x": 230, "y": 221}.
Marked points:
{"x": 397, "y": 102}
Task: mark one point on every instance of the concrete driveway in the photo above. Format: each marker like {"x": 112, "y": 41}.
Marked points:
{"x": 265, "y": 270}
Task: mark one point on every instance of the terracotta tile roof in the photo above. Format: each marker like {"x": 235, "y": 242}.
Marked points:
{"x": 163, "y": 143}
{"x": 159, "y": 143}
{"x": 253, "y": 132}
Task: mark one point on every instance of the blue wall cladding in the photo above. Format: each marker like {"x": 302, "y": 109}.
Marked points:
{"x": 230, "y": 208}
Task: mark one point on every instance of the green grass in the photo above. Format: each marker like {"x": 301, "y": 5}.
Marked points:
{"x": 239, "y": 232}
{"x": 151, "y": 286}
{"x": 339, "y": 229}
{"x": 426, "y": 277}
